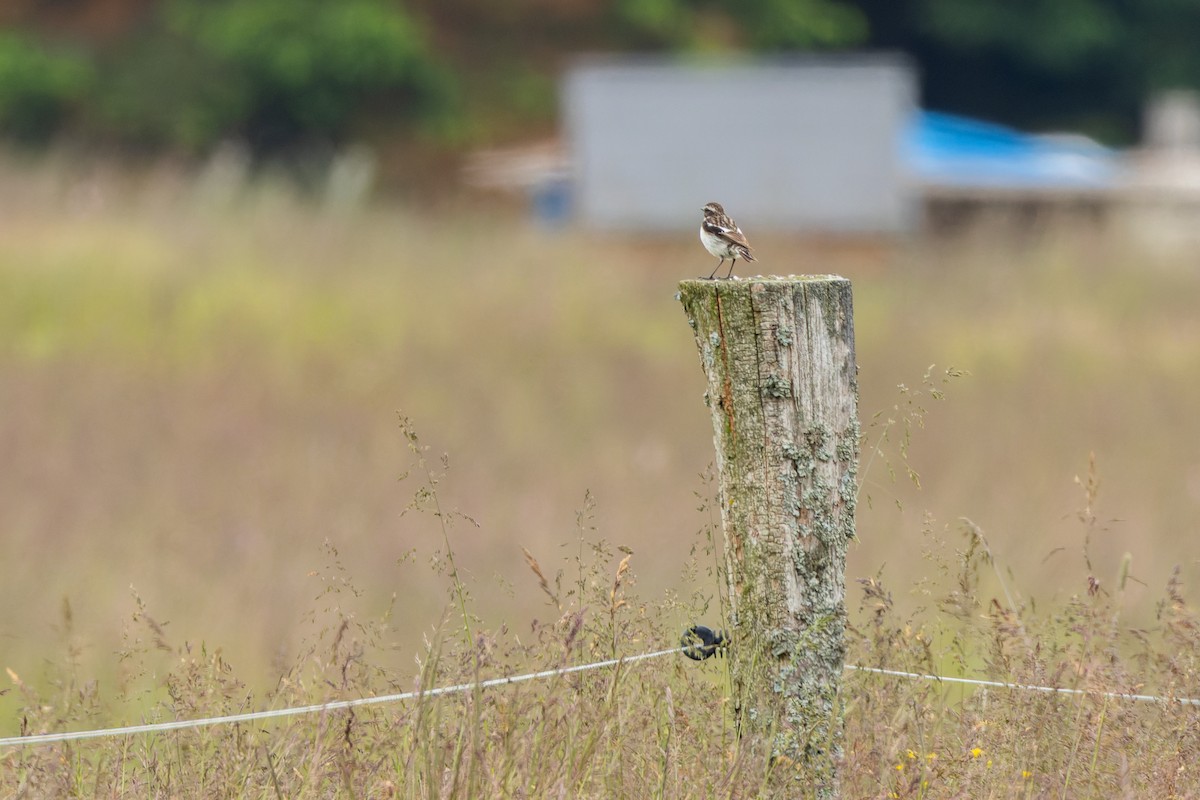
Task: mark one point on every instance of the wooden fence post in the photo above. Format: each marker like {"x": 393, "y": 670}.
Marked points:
{"x": 778, "y": 354}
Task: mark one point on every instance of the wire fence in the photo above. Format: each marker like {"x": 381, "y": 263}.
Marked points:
{"x": 1027, "y": 687}
{"x": 336, "y": 705}
{"x": 319, "y": 708}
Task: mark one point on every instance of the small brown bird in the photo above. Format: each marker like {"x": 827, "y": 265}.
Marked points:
{"x": 723, "y": 238}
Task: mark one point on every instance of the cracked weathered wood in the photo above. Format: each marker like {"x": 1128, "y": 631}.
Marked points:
{"x": 778, "y": 354}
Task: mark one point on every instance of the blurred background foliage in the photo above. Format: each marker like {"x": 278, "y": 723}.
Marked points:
{"x": 37, "y": 84}
{"x": 184, "y": 75}
{"x": 1068, "y": 64}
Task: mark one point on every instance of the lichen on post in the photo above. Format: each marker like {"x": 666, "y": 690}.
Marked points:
{"x": 778, "y": 355}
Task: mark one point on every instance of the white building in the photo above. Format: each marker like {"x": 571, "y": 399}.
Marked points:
{"x": 796, "y": 144}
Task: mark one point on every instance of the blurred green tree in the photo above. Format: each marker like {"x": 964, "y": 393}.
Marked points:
{"x": 1085, "y": 64}
{"x": 757, "y": 24}
{"x": 306, "y": 67}
{"x": 37, "y": 86}
{"x": 272, "y": 72}
{"x": 163, "y": 91}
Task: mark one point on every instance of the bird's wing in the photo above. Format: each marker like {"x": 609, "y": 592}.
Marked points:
{"x": 732, "y": 234}
{"x": 738, "y": 237}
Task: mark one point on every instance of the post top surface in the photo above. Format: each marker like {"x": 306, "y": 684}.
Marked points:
{"x": 736, "y": 280}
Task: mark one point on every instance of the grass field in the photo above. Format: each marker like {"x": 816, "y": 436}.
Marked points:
{"x": 202, "y": 505}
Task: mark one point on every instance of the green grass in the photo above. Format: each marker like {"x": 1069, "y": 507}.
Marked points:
{"x": 201, "y": 509}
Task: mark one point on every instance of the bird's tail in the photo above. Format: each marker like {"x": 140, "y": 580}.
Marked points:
{"x": 745, "y": 254}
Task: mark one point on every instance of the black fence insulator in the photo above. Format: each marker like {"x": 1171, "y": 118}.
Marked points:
{"x": 699, "y": 642}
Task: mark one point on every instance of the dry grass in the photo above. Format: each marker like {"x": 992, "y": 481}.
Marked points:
{"x": 199, "y": 392}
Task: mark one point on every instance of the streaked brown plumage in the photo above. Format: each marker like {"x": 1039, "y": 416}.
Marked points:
{"x": 721, "y": 236}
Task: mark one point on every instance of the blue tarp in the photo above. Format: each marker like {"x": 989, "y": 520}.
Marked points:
{"x": 946, "y": 150}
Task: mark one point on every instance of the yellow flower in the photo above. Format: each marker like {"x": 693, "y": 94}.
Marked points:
{"x": 1026, "y": 774}
{"x": 976, "y": 752}
{"x": 930, "y": 757}
{"x": 899, "y": 768}
{"x": 989, "y": 764}
{"x": 911, "y": 755}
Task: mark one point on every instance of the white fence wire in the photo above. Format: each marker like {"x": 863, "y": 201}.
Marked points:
{"x": 48, "y": 738}
{"x": 336, "y": 705}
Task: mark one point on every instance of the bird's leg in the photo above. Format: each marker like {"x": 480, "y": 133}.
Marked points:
{"x": 731, "y": 263}
{"x": 717, "y": 267}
